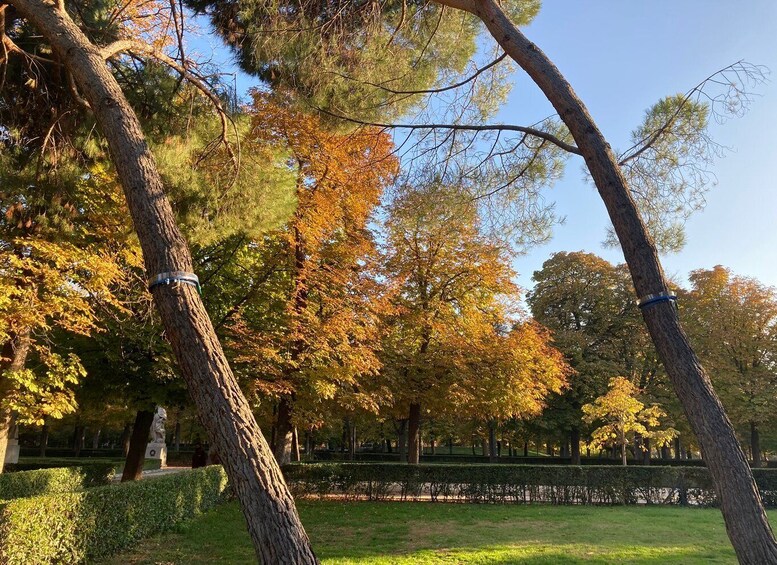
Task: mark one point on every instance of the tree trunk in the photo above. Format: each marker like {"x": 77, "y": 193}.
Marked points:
{"x": 743, "y": 512}
{"x": 14, "y": 355}
{"x": 96, "y": 439}
{"x": 646, "y": 451}
{"x": 665, "y": 453}
{"x": 283, "y": 432}
{"x": 44, "y": 440}
{"x": 450, "y": 446}
{"x": 525, "y": 448}
{"x": 677, "y": 449}
{"x": 78, "y": 440}
{"x": 402, "y": 441}
{"x": 177, "y": 437}
{"x": 413, "y": 433}
{"x": 492, "y": 456}
{"x": 136, "y": 455}
{"x": 574, "y": 437}
{"x": 432, "y": 446}
{"x": 755, "y": 444}
{"x": 273, "y": 523}
{"x": 125, "y": 439}
{"x": 623, "y": 449}
{"x": 295, "y": 445}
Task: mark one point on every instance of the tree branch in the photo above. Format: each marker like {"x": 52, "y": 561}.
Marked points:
{"x": 464, "y": 127}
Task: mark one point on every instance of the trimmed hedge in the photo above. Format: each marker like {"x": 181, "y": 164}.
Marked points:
{"x": 550, "y": 484}
{"x": 442, "y": 457}
{"x": 22, "y": 484}
{"x": 82, "y": 526}
{"x": 31, "y": 463}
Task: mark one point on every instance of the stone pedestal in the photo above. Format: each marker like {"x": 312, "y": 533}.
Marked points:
{"x": 156, "y": 450}
{"x": 12, "y": 451}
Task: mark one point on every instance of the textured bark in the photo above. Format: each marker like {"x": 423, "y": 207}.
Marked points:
{"x": 746, "y": 523}
{"x": 413, "y": 433}
{"x": 574, "y": 436}
{"x": 136, "y": 454}
{"x": 273, "y": 523}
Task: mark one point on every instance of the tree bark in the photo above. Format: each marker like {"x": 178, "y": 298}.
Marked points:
{"x": 402, "y": 441}
{"x": 295, "y": 445}
{"x": 743, "y": 512}
{"x": 273, "y": 523}
{"x": 574, "y": 437}
{"x": 96, "y": 439}
{"x": 136, "y": 454}
{"x": 413, "y": 432}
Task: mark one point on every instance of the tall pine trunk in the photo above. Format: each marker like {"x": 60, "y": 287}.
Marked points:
{"x": 273, "y": 523}
{"x": 136, "y": 454}
{"x": 743, "y": 512}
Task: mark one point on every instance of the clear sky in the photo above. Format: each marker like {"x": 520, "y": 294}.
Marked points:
{"x": 623, "y": 56}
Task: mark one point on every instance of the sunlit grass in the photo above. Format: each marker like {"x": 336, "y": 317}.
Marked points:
{"x": 368, "y": 533}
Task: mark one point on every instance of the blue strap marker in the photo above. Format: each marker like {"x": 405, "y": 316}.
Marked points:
{"x": 175, "y": 277}
{"x": 664, "y": 296}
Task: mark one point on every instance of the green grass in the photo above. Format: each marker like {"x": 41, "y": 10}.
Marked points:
{"x": 389, "y": 533}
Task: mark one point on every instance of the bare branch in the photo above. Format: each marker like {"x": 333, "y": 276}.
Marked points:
{"x": 464, "y": 127}
{"x": 140, "y": 48}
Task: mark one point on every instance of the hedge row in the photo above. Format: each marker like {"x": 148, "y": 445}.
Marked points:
{"x": 550, "y": 484}
{"x": 379, "y": 457}
{"x": 31, "y": 463}
{"x": 50, "y": 481}
{"x": 79, "y": 527}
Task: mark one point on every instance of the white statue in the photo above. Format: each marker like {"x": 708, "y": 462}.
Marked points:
{"x": 158, "y": 426}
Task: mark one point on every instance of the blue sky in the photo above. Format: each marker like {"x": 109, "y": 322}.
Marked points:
{"x": 623, "y": 56}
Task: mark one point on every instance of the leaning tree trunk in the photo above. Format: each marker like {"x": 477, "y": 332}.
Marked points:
{"x": 136, "y": 454}
{"x": 273, "y": 523}
{"x": 743, "y": 513}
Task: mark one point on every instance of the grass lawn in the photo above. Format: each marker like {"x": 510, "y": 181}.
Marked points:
{"x": 383, "y": 533}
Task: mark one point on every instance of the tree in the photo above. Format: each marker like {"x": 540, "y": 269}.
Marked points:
{"x": 318, "y": 326}
{"x": 741, "y": 504}
{"x": 623, "y": 417}
{"x": 732, "y": 321}
{"x": 512, "y": 375}
{"x": 267, "y": 505}
{"x": 587, "y": 303}
{"x": 454, "y": 298}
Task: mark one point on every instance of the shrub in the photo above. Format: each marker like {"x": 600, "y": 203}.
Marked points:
{"x": 50, "y": 481}
{"x": 551, "y": 484}
{"x": 82, "y": 526}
